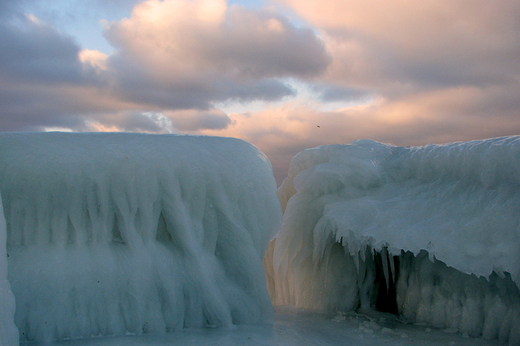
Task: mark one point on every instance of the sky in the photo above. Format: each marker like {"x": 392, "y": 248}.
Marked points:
{"x": 284, "y": 75}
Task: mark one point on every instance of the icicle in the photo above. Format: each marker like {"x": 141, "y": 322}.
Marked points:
{"x": 384, "y": 259}
{"x": 362, "y": 251}
{"x": 356, "y": 261}
{"x": 392, "y": 267}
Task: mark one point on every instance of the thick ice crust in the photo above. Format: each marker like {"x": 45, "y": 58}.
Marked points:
{"x": 128, "y": 233}
{"x": 408, "y": 230}
{"x": 457, "y": 201}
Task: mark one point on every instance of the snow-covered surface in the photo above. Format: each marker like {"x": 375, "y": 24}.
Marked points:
{"x": 8, "y": 331}
{"x": 459, "y": 201}
{"x": 116, "y": 233}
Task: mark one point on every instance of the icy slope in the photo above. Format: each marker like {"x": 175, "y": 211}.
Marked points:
{"x": 129, "y": 233}
{"x": 368, "y": 215}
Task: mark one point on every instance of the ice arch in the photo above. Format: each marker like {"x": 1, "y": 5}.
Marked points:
{"x": 110, "y": 234}
{"x": 431, "y": 233}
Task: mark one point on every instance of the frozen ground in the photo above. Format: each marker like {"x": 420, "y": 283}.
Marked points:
{"x": 302, "y": 328}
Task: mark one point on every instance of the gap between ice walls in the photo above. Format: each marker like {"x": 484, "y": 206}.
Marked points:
{"x": 429, "y": 233}
{"x": 115, "y": 234}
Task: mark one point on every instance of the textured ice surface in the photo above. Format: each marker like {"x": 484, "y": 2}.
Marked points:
{"x": 8, "y": 331}
{"x": 111, "y": 234}
{"x": 369, "y": 222}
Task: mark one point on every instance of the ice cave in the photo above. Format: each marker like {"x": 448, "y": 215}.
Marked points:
{"x": 136, "y": 234}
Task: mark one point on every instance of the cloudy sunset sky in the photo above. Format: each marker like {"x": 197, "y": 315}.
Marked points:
{"x": 282, "y": 74}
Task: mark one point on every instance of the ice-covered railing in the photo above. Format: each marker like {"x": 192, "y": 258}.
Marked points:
{"x": 405, "y": 229}
{"x": 110, "y": 234}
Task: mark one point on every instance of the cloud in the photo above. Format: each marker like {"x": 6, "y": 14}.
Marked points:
{"x": 9, "y": 9}
{"x": 135, "y": 83}
{"x": 194, "y": 120}
{"x": 438, "y": 116}
{"x": 37, "y": 53}
{"x": 93, "y": 59}
{"x": 182, "y": 38}
{"x": 128, "y": 121}
{"x": 43, "y": 81}
{"x": 332, "y": 93}
{"x": 428, "y": 44}
{"x": 189, "y": 54}
{"x": 405, "y": 72}
{"x": 170, "y": 55}
{"x": 420, "y": 72}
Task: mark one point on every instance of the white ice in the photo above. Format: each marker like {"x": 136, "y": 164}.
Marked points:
{"x": 110, "y": 234}
{"x": 114, "y": 239}
{"x": 425, "y": 222}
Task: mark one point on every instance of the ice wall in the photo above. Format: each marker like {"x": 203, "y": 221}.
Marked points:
{"x": 110, "y": 234}
{"x": 8, "y": 331}
{"x": 360, "y": 219}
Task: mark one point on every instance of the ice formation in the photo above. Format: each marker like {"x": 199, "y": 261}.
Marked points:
{"x": 430, "y": 233}
{"x": 109, "y": 234}
{"x": 8, "y": 331}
